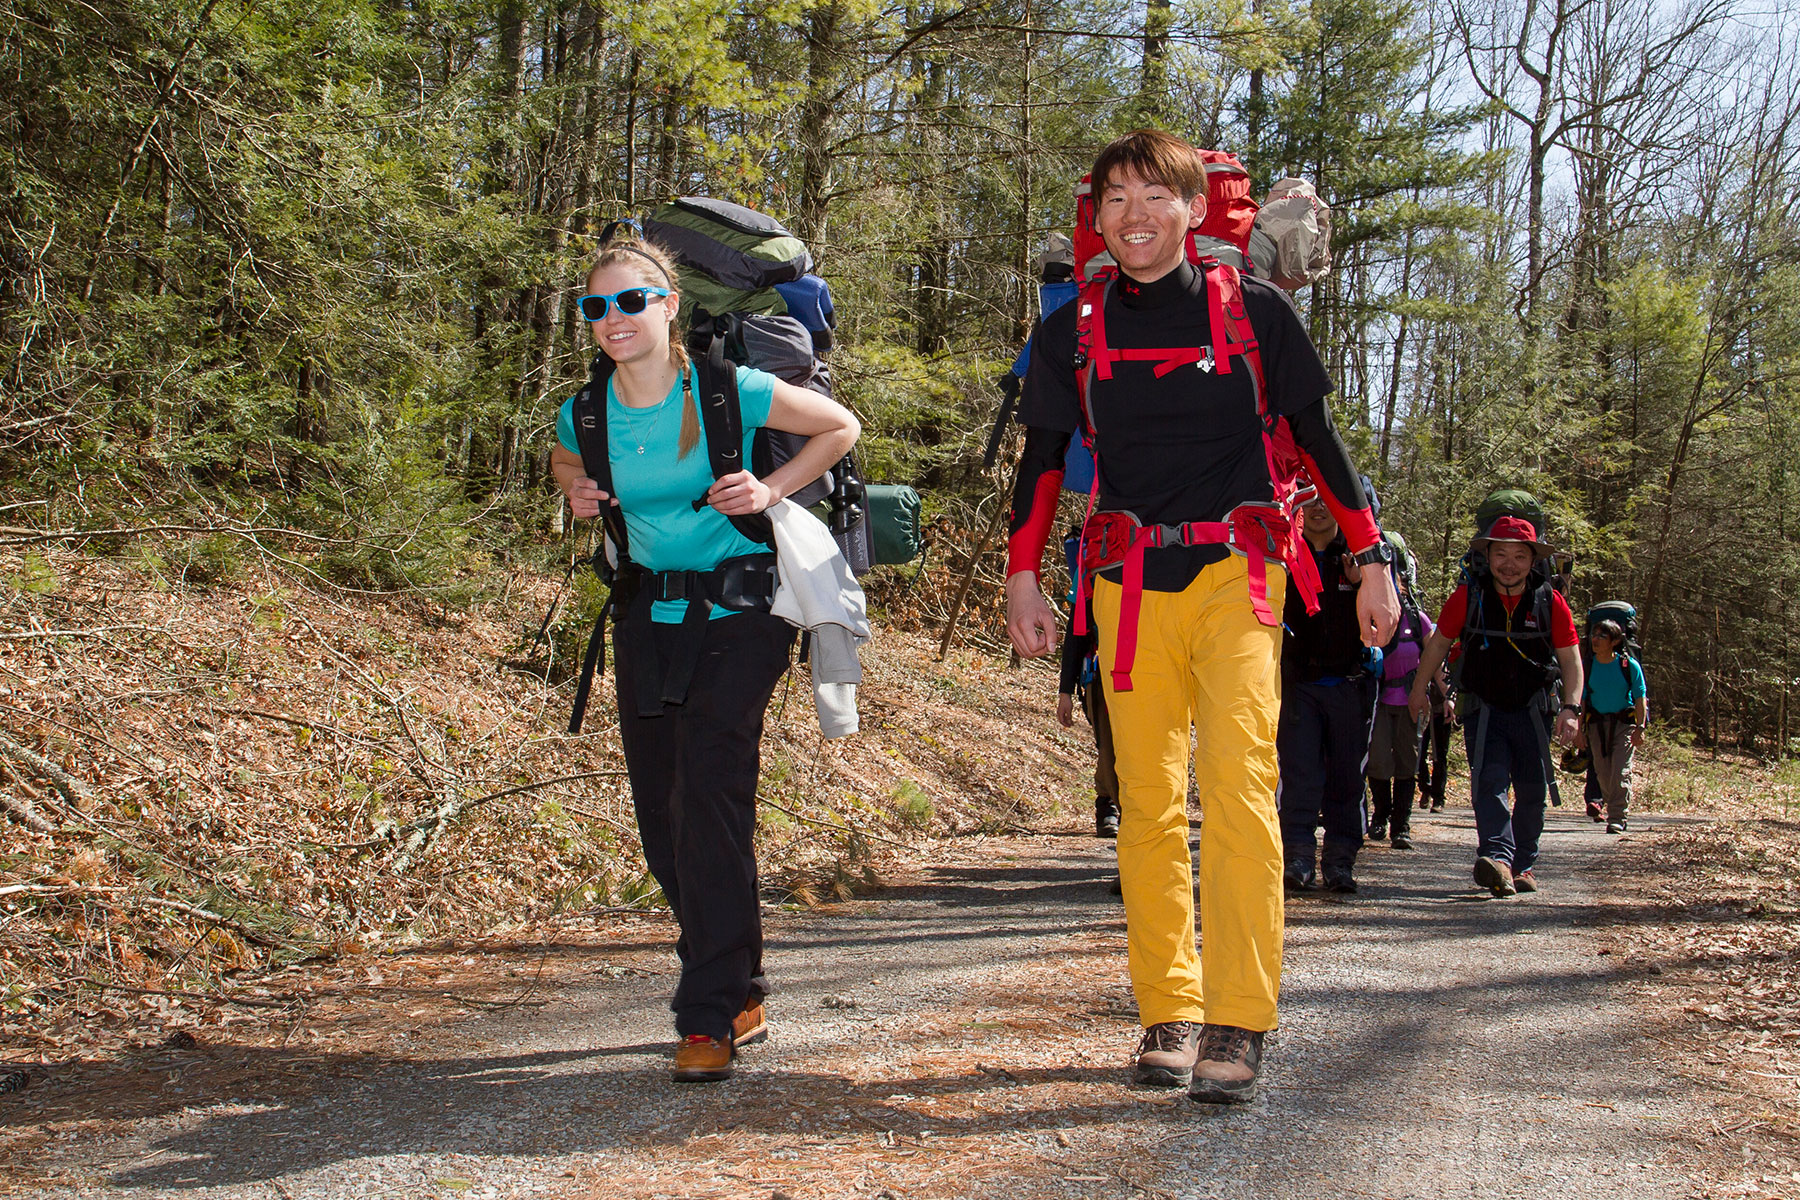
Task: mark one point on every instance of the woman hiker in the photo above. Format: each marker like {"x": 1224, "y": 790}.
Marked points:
{"x": 696, "y": 825}
{"x": 1614, "y": 711}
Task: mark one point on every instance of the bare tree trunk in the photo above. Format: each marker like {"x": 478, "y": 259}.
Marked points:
{"x": 815, "y": 122}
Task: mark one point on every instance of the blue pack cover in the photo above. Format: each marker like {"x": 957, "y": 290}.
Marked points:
{"x": 809, "y": 302}
{"x": 1078, "y": 464}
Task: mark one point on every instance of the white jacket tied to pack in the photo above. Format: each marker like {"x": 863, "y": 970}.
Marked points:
{"x": 816, "y": 591}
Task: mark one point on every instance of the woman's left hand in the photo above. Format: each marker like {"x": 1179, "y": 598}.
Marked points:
{"x": 1637, "y": 737}
{"x": 740, "y": 494}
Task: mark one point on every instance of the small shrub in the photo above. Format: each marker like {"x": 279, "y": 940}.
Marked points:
{"x": 912, "y": 804}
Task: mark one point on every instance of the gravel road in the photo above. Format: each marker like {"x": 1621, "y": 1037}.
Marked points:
{"x": 965, "y": 1033}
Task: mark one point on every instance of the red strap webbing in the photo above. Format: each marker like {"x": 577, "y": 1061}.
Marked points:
{"x": 1232, "y": 334}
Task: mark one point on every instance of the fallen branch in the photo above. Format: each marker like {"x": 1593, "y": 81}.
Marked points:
{"x": 202, "y": 914}
{"x": 54, "y": 889}
{"x": 72, "y": 789}
{"x": 96, "y": 631}
{"x": 211, "y": 997}
{"x": 420, "y": 832}
{"x": 20, "y": 807}
{"x": 842, "y": 827}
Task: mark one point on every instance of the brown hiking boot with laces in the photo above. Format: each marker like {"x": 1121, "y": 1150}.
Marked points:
{"x": 751, "y": 1025}
{"x": 702, "y": 1059}
{"x": 1230, "y": 1059}
{"x": 1165, "y": 1056}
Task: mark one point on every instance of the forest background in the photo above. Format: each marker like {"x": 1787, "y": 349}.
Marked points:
{"x": 305, "y": 273}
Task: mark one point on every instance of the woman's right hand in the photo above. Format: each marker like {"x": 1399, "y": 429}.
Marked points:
{"x": 585, "y": 497}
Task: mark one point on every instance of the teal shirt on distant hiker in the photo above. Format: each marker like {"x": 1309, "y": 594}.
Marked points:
{"x": 657, "y": 488}
{"x": 1615, "y": 688}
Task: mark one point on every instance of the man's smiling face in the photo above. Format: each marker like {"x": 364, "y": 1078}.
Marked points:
{"x": 1145, "y": 224}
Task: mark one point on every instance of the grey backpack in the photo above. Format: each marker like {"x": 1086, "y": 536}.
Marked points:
{"x": 1291, "y": 240}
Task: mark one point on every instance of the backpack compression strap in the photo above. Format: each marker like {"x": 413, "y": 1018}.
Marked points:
{"x": 589, "y": 414}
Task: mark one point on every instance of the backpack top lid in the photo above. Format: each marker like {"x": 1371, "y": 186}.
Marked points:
{"x": 730, "y": 257}
{"x": 1509, "y": 502}
{"x": 1291, "y": 241}
{"x": 1224, "y": 232}
{"x": 1621, "y": 612}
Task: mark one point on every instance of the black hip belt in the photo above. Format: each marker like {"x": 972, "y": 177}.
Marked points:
{"x": 743, "y": 584}
{"x": 739, "y": 584}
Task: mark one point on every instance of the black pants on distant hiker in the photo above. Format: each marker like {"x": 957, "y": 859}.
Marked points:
{"x": 1323, "y": 745}
{"x": 693, "y": 777}
{"x": 1434, "y": 748}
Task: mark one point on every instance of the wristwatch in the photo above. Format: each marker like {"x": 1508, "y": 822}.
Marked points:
{"x": 1380, "y": 552}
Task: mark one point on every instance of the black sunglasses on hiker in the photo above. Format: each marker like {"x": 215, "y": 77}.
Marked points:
{"x": 631, "y": 302}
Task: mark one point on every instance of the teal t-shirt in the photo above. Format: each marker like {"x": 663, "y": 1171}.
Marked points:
{"x": 1612, "y": 688}
{"x": 657, "y": 488}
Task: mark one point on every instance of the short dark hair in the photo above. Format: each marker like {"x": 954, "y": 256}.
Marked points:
{"x": 1611, "y": 631}
{"x": 1155, "y": 157}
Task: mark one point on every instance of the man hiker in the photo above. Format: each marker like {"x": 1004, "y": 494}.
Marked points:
{"x": 1518, "y": 638}
{"x": 1177, "y": 446}
{"x": 1434, "y": 739}
{"x": 1327, "y": 704}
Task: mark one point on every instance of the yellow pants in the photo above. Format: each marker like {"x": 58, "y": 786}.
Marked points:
{"x": 1203, "y": 659}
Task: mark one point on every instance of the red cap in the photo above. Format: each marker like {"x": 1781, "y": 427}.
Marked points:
{"x": 1512, "y": 529}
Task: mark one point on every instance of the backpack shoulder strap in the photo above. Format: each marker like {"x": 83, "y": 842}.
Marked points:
{"x": 721, "y": 411}
{"x": 589, "y": 418}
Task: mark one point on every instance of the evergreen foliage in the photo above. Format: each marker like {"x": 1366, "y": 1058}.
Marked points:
{"x": 312, "y": 267}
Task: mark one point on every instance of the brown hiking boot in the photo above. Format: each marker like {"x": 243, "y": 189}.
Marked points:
{"x": 1525, "y": 881}
{"x": 1495, "y": 876}
{"x": 702, "y": 1059}
{"x": 1165, "y": 1056}
{"x": 1230, "y": 1059}
{"x": 750, "y": 1025}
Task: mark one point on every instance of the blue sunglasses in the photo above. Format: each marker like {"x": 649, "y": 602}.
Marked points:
{"x": 631, "y": 302}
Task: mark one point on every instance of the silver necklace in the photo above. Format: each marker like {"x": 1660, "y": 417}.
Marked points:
{"x": 631, "y": 427}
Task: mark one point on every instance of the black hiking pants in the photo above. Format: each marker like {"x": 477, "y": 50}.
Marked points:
{"x": 693, "y": 774}
{"x": 1322, "y": 742}
{"x": 1434, "y": 748}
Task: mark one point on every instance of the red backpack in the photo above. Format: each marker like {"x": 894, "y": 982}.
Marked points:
{"x": 1259, "y": 529}
{"x": 1224, "y": 234}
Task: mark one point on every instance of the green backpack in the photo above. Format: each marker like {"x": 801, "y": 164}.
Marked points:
{"x": 731, "y": 257}
{"x": 1509, "y": 502}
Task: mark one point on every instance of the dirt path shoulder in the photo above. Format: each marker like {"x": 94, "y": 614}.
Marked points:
{"x": 966, "y": 1033}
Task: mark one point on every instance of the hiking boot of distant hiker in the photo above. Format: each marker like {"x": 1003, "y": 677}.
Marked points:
{"x": 1495, "y": 876}
{"x": 1437, "y": 804}
{"x": 1617, "y": 826}
{"x": 1165, "y": 1056}
{"x": 1525, "y": 881}
{"x": 1230, "y": 1059}
{"x": 1593, "y": 811}
{"x": 702, "y": 1059}
{"x": 1337, "y": 877}
{"x": 1401, "y": 824}
{"x": 1381, "y": 807}
{"x": 1106, "y": 817}
{"x": 751, "y": 1025}
{"x": 1298, "y": 875}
